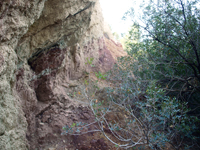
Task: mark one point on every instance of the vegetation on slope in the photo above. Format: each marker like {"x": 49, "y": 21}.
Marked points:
{"x": 157, "y": 86}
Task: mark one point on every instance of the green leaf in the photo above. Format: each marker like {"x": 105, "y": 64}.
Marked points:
{"x": 73, "y": 125}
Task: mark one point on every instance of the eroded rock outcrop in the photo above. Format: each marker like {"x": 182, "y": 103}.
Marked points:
{"x": 15, "y": 19}
{"x": 44, "y": 49}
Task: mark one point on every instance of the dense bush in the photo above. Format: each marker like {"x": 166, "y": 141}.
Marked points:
{"x": 164, "y": 47}
{"x": 162, "y": 118}
{"x": 170, "y": 40}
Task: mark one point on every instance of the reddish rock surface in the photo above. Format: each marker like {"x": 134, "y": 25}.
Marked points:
{"x": 106, "y": 60}
{"x": 115, "y": 48}
{"x": 47, "y": 105}
{"x": 47, "y": 59}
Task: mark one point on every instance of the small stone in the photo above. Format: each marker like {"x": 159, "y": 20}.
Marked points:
{"x": 73, "y": 85}
{"x": 41, "y": 123}
{"x": 52, "y": 149}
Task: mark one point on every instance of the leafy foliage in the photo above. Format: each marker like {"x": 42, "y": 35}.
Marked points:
{"x": 163, "y": 119}
{"x": 170, "y": 42}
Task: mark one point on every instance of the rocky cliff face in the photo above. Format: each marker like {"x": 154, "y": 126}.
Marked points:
{"x": 44, "y": 46}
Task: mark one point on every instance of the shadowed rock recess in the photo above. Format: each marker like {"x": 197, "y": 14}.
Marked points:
{"x": 44, "y": 46}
